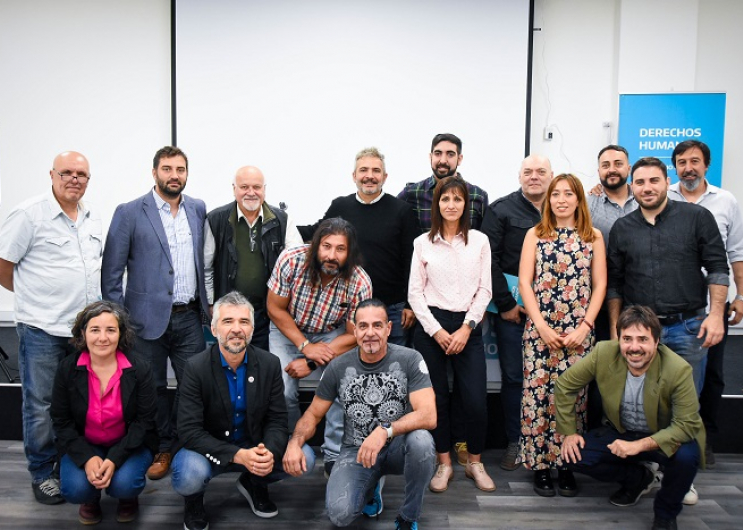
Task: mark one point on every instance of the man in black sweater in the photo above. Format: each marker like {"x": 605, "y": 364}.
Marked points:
{"x": 506, "y": 222}
{"x": 386, "y": 228}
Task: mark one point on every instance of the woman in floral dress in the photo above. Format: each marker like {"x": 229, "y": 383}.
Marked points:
{"x": 562, "y": 280}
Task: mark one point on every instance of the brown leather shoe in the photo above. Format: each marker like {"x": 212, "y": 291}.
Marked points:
{"x": 160, "y": 466}
{"x": 90, "y": 513}
{"x": 127, "y": 510}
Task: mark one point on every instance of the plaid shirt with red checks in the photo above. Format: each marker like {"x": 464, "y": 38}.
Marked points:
{"x": 317, "y": 309}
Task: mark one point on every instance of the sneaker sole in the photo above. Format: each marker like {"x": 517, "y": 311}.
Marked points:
{"x": 262, "y": 515}
{"x": 187, "y": 528}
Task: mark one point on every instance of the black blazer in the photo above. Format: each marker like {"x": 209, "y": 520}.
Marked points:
{"x": 70, "y": 406}
{"x": 205, "y": 415}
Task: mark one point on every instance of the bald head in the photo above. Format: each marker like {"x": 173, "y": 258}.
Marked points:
{"x": 70, "y": 174}
{"x": 535, "y": 177}
{"x": 250, "y": 190}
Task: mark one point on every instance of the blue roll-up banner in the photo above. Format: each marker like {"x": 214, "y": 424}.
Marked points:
{"x": 653, "y": 124}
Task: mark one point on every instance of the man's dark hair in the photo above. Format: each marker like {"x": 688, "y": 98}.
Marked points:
{"x": 447, "y": 137}
{"x": 612, "y": 147}
{"x": 684, "y": 146}
{"x": 437, "y": 220}
{"x": 371, "y": 302}
{"x": 333, "y": 227}
{"x": 641, "y": 316}
{"x": 650, "y": 161}
{"x": 126, "y": 333}
{"x": 168, "y": 152}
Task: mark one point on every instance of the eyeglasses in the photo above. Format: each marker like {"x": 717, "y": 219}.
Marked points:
{"x": 66, "y": 176}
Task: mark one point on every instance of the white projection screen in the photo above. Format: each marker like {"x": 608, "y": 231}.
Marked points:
{"x": 298, "y": 88}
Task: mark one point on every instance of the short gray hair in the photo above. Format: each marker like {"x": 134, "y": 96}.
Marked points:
{"x": 233, "y": 298}
{"x": 372, "y": 152}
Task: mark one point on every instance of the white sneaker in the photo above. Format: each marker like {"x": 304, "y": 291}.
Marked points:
{"x": 691, "y": 497}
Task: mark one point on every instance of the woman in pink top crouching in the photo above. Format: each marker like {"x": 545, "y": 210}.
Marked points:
{"x": 103, "y": 413}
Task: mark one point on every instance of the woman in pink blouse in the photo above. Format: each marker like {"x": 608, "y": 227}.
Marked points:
{"x": 449, "y": 290}
{"x": 103, "y": 412}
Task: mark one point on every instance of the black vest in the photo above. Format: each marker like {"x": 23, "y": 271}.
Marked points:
{"x": 222, "y": 222}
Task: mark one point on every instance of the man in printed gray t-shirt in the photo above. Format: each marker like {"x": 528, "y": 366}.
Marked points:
{"x": 388, "y": 405}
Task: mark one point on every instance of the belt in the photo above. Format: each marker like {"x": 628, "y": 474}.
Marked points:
{"x": 193, "y": 305}
{"x": 675, "y": 318}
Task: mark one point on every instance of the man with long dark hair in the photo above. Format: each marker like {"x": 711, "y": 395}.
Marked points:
{"x": 312, "y": 294}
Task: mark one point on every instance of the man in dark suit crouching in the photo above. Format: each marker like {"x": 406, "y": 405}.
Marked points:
{"x": 231, "y": 416}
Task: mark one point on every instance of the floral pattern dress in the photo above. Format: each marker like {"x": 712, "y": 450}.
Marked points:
{"x": 562, "y": 285}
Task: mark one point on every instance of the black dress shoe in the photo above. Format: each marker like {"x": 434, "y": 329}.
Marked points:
{"x": 566, "y": 483}
{"x": 543, "y": 483}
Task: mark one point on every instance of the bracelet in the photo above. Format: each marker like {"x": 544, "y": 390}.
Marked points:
{"x": 738, "y": 298}
{"x": 301, "y": 346}
{"x": 587, "y": 323}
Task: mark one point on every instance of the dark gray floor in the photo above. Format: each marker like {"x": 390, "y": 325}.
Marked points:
{"x": 301, "y": 503}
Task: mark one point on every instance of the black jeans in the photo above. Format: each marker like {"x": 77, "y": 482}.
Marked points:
{"x": 471, "y": 378}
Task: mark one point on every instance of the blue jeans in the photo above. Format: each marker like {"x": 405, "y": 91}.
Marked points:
{"x": 399, "y": 335}
{"x": 679, "y": 470}
{"x": 351, "y": 484}
{"x": 285, "y": 350}
{"x": 192, "y": 471}
{"x": 183, "y": 338}
{"x": 39, "y": 354}
{"x": 682, "y": 339}
{"x": 509, "y": 337}
{"x": 128, "y": 480}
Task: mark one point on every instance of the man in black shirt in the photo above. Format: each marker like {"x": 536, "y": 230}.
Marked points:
{"x": 656, "y": 256}
{"x": 386, "y": 227}
{"x": 506, "y": 222}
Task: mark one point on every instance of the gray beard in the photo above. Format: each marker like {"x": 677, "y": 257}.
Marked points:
{"x": 691, "y": 185}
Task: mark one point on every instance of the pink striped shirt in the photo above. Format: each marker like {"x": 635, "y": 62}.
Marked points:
{"x": 451, "y": 276}
{"x": 104, "y": 422}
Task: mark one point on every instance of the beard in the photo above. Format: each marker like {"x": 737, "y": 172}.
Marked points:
{"x": 234, "y": 349}
{"x": 615, "y": 186}
{"x": 690, "y": 185}
{"x": 330, "y": 271}
{"x": 169, "y": 192}
{"x": 447, "y": 171}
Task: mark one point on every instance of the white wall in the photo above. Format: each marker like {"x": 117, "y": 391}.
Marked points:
{"x": 298, "y": 88}
{"x": 88, "y": 76}
{"x": 589, "y": 52}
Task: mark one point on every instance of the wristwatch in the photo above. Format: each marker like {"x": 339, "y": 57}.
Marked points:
{"x": 471, "y": 323}
{"x": 312, "y": 365}
{"x": 388, "y": 427}
{"x": 739, "y": 297}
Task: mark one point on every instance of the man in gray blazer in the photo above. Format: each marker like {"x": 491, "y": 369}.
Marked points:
{"x": 158, "y": 241}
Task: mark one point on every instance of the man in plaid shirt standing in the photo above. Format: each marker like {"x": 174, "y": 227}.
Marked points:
{"x": 312, "y": 293}
{"x": 446, "y": 155}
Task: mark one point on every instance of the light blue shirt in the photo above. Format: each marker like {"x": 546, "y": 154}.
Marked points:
{"x": 57, "y": 262}
{"x": 180, "y": 243}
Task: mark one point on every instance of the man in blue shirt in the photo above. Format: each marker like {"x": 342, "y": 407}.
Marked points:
{"x": 249, "y": 436}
